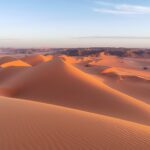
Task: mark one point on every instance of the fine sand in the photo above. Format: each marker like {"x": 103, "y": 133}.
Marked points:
{"x": 27, "y": 125}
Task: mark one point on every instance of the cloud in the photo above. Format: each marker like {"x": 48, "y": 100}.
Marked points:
{"x": 112, "y": 8}
{"x": 113, "y": 37}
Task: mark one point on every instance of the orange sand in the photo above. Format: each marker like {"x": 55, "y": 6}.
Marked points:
{"x": 60, "y": 105}
{"x": 27, "y": 125}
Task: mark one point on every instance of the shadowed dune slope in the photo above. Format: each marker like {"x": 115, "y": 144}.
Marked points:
{"x": 7, "y": 74}
{"x": 27, "y": 125}
{"x": 36, "y": 59}
{"x": 58, "y": 82}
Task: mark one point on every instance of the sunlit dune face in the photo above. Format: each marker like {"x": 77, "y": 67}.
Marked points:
{"x": 17, "y": 63}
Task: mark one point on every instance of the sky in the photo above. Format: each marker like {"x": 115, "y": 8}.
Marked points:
{"x": 74, "y": 23}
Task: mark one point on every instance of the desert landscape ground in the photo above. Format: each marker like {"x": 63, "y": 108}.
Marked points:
{"x": 62, "y": 102}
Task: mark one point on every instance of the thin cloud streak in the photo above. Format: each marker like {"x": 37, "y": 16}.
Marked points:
{"x": 111, "y": 8}
{"x": 112, "y": 37}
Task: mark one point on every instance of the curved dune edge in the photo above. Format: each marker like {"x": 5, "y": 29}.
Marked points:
{"x": 65, "y": 85}
{"x": 32, "y": 125}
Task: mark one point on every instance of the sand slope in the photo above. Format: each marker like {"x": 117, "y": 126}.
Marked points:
{"x": 26, "y": 125}
{"x": 58, "y": 82}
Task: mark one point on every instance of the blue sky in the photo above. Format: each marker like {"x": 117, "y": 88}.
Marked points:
{"x": 74, "y": 23}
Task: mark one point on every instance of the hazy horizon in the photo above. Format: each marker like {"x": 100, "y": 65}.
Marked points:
{"x": 80, "y": 23}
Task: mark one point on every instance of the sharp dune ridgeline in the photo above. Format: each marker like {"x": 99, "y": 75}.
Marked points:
{"x": 61, "y": 103}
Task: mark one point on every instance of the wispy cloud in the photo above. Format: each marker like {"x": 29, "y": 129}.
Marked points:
{"x": 113, "y": 37}
{"x": 113, "y": 8}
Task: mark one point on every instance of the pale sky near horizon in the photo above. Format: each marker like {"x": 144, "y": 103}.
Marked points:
{"x": 74, "y": 23}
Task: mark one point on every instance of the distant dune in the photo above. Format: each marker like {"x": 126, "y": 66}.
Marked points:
{"x": 36, "y": 59}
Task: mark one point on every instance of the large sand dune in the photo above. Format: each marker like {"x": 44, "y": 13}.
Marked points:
{"x": 58, "y": 82}
{"x": 26, "y": 125}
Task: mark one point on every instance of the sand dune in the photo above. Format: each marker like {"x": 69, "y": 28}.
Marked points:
{"x": 26, "y": 125}
{"x": 91, "y": 115}
{"x": 36, "y": 59}
{"x": 58, "y": 82}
